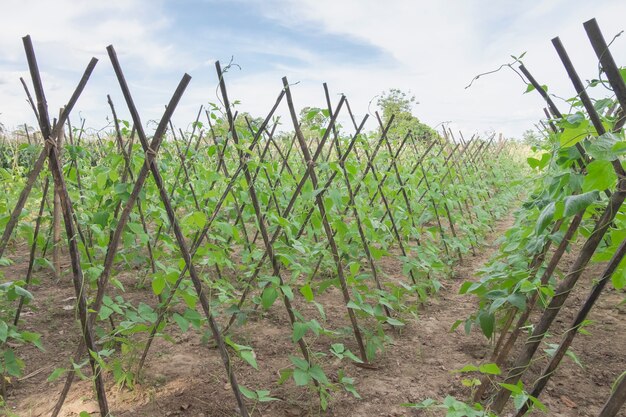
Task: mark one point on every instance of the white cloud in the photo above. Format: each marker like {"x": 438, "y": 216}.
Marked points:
{"x": 431, "y": 48}
{"x": 440, "y": 46}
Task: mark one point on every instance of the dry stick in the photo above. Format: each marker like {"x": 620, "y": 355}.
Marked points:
{"x": 174, "y": 186}
{"x": 369, "y": 166}
{"x": 259, "y": 216}
{"x": 447, "y": 209}
{"x": 458, "y": 202}
{"x": 478, "y": 178}
{"x": 41, "y": 159}
{"x": 183, "y": 165}
{"x": 416, "y": 166}
{"x": 469, "y": 163}
{"x": 355, "y": 211}
{"x": 29, "y": 99}
{"x": 27, "y": 134}
{"x": 56, "y": 227}
{"x": 388, "y": 171}
{"x": 33, "y": 249}
{"x": 326, "y": 224}
{"x": 499, "y": 356}
{"x": 553, "y": 109}
{"x": 616, "y": 399}
{"x": 128, "y": 172}
{"x": 220, "y": 149}
{"x": 388, "y": 212}
{"x": 79, "y": 184}
{"x": 273, "y": 185}
{"x": 199, "y": 238}
{"x": 468, "y": 196}
{"x": 74, "y": 162}
{"x": 318, "y": 153}
{"x": 572, "y": 331}
{"x": 113, "y": 244}
{"x": 466, "y": 146}
{"x": 291, "y": 205}
{"x": 240, "y": 208}
{"x": 561, "y": 295}
{"x": 423, "y": 178}
{"x": 619, "y": 88}
{"x": 394, "y": 158}
{"x": 50, "y": 136}
{"x": 532, "y": 301}
{"x": 432, "y": 200}
{"x": 587, "y": 251}
{"x": 608, "y": 66}
{"x": 156, "y": 175}
{"x": 398, "y": 176}
{"x": 479, "y": 156}
{"x": 538, "y": 260}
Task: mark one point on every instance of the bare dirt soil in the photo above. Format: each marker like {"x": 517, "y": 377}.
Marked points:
{"x": 186, "y": 378}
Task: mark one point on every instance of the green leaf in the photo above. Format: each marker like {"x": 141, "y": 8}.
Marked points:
{"x": 197, "y": 219}
{"x": 307, "y": 292}
{"x": 182, "y": 322}
{"x": 600, "y": 176}
{"x": 539, "y": 163}
{"x": 158, "y": 284}
{"x": 466, "y": 368}
{"x": 487, "y": 323}
{"x": 268, "y": 297}
{"x": 299, "y": 330}
{"x": 310, "y": 115}
{"x": 301, "y": 377}
{"x": 4, "y": 331}
{"x": 56, "y": 374}
{"x": 603, "y": 147}
{"x": 394, "y": 322}
{"x": 529, "y": 88}
{"x": 618, "y": 279}
{"x": 515, "y": 389}
{"x": 490, "y": 369}
{"x": 318, "y": 374}
{"x": 248, "y": 356}
{"x": 545, "y": 218}
{"x": 249, "y": 394}
{"x": 579, "y": 202}
{"x": 12, "y": 364}
{"x": 264, "y": 396}
{"x": 101, "y": 180}
{"x": 286, "y": 289}
{"x": 571, "y": 135}
{"x": 299, "y": 362}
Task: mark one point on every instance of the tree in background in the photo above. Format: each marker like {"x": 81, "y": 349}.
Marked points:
{"x": 312, "y": 121}
{"x": 400, "y": 104}
{"x": 532, "y": 138}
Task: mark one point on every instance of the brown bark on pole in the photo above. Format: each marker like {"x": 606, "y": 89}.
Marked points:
{"x": 572, "y": 331}
{"x": 562, "y": 292}
{"x": 616, "y": 400}
{"x": 56, "y": 213}
{"x": 67, "y": 209}
{"x": 329, "y": 232}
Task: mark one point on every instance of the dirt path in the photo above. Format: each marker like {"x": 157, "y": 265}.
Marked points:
{"x": 186, "y": 379}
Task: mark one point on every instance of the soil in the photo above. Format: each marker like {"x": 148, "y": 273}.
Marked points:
{"x": 185, "y": 377}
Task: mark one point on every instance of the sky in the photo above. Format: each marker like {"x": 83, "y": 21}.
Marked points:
{"x": 360, "y": 48}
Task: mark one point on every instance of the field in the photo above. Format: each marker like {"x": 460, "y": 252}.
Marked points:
{"x": 318, "y": 265}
